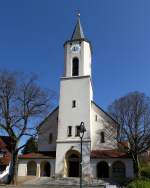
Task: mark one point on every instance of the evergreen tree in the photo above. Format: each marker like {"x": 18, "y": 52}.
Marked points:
{"x": 31, "y": 146}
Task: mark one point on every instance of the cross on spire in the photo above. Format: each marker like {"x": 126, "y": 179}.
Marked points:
{"x": 78, "y": 14}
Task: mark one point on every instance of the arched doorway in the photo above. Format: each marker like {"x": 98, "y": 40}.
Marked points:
{"x": 45, "y": 169}
{"x": 31, "y": 168}
{"x": 102, "y": 170}
{"x": 72, "y": 164}
{"x": 118, "y": 169}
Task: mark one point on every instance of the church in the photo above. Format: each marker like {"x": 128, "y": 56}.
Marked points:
{"x": 59, "y": 149}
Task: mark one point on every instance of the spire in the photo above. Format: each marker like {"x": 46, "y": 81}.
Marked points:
{"x": 78, "y": 31}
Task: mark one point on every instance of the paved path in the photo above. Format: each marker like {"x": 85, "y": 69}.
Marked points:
{"x": 42, "y": 186}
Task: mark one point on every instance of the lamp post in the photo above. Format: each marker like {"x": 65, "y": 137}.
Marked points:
{"x": 82, "y": 131}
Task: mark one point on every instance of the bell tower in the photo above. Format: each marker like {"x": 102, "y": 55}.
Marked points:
{"x": 77, "y": 53}
{"x": 75, "y": 102}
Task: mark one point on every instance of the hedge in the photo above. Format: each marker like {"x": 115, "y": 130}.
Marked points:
{"x": 139, "y": 184}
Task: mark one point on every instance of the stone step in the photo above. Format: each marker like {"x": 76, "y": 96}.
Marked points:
{"x": 69, "y": 182}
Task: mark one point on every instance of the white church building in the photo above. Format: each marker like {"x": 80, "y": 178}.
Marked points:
{"x": 58, "y": 140}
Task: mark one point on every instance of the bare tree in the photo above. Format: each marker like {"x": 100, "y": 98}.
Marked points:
{"x": 22, "y": 102}
{"x": 133, "y": 114}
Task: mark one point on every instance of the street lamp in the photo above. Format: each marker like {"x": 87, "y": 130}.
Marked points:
{"x": 82, "y": 131}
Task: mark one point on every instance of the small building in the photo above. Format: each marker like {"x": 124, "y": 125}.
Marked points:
{"x": 5, "y": 152}
{"x": 58, "y": 139}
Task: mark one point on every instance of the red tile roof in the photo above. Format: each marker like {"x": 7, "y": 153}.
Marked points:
{"x": 43, "y": 155}
{"x": 94, "y": 154}
{"x": 108, "y": 154}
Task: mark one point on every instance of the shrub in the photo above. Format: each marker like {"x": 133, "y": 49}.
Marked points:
{"x": 145, "y": 172}
{"x": 139, "y": 184}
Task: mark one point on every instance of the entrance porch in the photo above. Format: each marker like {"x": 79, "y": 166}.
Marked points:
{"x": 72, "y": 164}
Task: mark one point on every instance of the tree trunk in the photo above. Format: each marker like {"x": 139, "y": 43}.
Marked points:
{"x": 13, "y": 168}
{"x": 136, "y": 164}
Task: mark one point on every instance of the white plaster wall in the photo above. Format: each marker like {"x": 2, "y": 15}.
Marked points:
{"x": 50, "y": 125}
{"x": 84, "y": 56}
{"x": 103, "y": 123}
{"x": 78, "y": 89}
{"x": 127, "y": 162}
{"x": 22, "y": 166}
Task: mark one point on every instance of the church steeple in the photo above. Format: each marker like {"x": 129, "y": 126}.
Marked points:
{"x": 76, "y": 95}
{"x": 77, "y": 53}
{"x": 78, "y": 31}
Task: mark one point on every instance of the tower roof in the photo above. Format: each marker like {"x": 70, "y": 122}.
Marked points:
{"x": 78, "y": 31}
{"x": 78, "y": 34}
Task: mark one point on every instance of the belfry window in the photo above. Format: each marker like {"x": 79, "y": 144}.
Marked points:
{"x": 102, "y": 137}
{"x": 75, "y": 67}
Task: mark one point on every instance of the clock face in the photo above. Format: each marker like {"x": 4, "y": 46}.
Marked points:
{"x": 75, "y": 48}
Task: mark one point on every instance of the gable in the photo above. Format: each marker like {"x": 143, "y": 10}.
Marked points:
{"x": 50, "y": 117}
{"x": 101, "y": 122}
{"x": 48, "y": 131}
{"x": 104, "y": 114}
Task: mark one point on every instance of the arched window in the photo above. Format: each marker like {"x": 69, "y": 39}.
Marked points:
{"x": 75, "y": 67}
{"x": 69, "y": 130}
{"x": 50, "y": 138}
{"x": 73, "y": 103}
{"x": 102, "y": 137}
{"x": 102, "y": 170}
{"x": 45, "y": 169}
{"x": 118, "y": 169}
{"x": 31, "y": 168}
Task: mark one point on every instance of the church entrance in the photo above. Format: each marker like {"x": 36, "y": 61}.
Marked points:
{"x": 73, "y": 164}
{"x": 45, "y": 169}
{"x": 102, "y": 170}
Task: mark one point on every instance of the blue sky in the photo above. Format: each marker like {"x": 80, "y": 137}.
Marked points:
{"x": 32, "y": 33}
